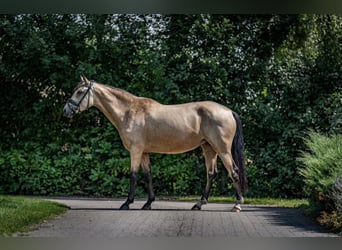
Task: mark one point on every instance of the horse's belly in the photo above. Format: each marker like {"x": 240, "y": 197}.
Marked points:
{"x": 173, "y": 145}
{"x": 172, "y": 131}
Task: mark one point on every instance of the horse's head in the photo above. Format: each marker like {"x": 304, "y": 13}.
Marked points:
{"x": 81, "y": 98}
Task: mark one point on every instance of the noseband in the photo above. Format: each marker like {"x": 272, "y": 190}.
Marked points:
{"x": 75, "y": 106}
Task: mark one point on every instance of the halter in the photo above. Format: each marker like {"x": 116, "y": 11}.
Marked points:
{"x": 73, "y": 105}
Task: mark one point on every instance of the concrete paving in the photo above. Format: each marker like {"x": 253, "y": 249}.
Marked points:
{"x": 100, "y": 218}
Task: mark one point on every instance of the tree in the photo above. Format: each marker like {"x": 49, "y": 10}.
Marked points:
{"x": 281, "y": 73}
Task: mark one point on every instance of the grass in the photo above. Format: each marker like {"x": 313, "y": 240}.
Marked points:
{"x": 290, "y": 203}
{"x": 20, "y": 214}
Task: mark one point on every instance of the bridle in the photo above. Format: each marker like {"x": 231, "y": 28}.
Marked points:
{"x": 75, "y": 106}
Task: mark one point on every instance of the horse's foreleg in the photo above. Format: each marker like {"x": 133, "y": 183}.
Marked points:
{"x": 135, "y": 163}
{"x": 130, "y": 198}
{"x": 210, "y": 162}
{"x": 151, "y": 196}
{"x": 145, "y": 163}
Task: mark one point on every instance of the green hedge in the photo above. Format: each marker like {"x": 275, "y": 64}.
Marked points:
{"x": 323, "y": 163}
{"x": 281, "y": 73}
{"x": 96, "y": 166}
{"x": 322, "y": 174}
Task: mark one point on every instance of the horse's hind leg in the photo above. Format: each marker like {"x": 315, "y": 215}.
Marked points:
{"x": 234, "y": 175}
{"x": 210, "y": 161}
{"x": 145, "y": 163}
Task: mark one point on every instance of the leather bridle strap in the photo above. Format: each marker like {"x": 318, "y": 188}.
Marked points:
{"x": 75, "y": 106}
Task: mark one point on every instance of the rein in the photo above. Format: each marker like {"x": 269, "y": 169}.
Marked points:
{"x": 75, "y": 106}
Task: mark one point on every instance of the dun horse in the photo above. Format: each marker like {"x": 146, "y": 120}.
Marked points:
{"x": 146, "y": 126}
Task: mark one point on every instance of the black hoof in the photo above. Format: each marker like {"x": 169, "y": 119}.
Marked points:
{"x": 196, "y": 207}
{"x": 124, "y": 207}
{"x": 146, "y": 207}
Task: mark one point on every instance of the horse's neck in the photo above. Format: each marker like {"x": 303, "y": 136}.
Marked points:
{"x": 113, "y": 103}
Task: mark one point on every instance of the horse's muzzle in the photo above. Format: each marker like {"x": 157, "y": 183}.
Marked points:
{"x": 68, "y": 112}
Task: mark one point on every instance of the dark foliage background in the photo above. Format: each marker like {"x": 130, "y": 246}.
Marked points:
{"x": 281, "y": 73}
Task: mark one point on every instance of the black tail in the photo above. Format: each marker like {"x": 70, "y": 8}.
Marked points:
{"x": 238, "y": 153}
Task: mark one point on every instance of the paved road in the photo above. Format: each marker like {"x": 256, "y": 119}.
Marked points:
{"x": 99, "y": 218}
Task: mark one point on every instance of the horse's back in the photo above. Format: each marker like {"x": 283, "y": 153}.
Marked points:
{"x": 196, "y": 121}
{"x": 193, "y": 114}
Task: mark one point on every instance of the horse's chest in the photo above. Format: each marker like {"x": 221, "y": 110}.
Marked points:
{"x": 133, "y": 133}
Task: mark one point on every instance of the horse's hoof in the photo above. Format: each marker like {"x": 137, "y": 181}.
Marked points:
{"x": 196, "y": 207}
{"x": 146, "y": 207}
{"x": 236, "y": 209}
{"x": 124, "y": 207}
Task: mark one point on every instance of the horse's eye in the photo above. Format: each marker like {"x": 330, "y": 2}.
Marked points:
{"x": 79, "y": 92}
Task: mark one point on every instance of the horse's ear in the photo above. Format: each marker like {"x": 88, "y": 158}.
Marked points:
{"x": 84, "y": 79}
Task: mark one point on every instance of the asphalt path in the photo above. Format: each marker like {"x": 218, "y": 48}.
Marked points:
{"x": 100, "y": 218}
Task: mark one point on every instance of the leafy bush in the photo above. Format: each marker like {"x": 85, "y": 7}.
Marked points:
{"x": 96, "y": 166}
{"x": 322, "y": 163}
{"x": 334, "y": 219}
{"x": 337, "y": 195}
{"x": 322, "y": 174}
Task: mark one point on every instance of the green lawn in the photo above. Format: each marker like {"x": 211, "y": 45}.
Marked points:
{"x": 291, "y": 203}
{"x": 20, "y": 214}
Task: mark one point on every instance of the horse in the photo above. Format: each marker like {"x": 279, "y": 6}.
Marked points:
{"x": 146, "y": 126}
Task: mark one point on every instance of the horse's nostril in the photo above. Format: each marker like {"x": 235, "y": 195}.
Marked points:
{"x": 66, "y": 112}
